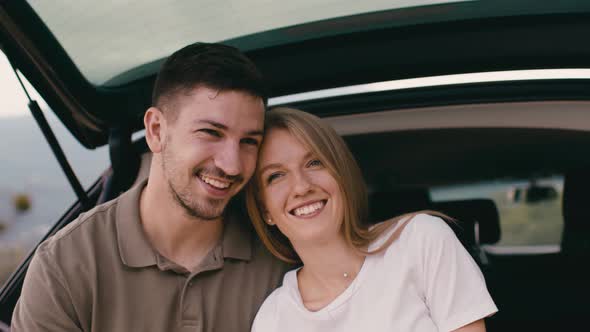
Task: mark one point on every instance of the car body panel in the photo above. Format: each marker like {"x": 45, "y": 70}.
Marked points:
{"x": 441, "y": 39}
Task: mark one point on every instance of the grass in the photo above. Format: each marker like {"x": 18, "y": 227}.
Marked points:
{"x": 529, "y": 223}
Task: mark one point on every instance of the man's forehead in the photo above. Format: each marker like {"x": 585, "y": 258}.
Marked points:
{"x": 213, "y": 93}
{"x": 221, "y": 106}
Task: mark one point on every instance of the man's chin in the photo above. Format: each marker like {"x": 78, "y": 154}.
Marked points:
{"x": 203, "y": 215}
{"x": 209, "y": 212}
{"x": 204, "y": 210}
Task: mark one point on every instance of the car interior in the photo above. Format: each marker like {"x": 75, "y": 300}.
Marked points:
{"x": 524, "y": 140}
{"x": 533, "y": 290}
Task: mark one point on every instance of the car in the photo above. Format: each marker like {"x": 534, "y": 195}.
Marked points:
{"x": 479, "y": 109}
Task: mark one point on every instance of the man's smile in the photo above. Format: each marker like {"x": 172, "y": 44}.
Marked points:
{"x": 218, "y": 184}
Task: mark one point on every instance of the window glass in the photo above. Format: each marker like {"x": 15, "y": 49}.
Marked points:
{"x": 530, "y": 210}
{"x": 106, "y": 38}
{"x": 34, "y": 192}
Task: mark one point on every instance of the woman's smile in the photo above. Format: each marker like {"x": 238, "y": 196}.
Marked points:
{"x": 309, "y": 209}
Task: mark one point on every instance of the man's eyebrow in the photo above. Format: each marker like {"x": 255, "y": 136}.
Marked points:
{"x": 256, "y": 132}
{"x": 214, "y": 124}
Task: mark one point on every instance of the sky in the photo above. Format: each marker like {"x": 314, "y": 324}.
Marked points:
{"x": 13, "y": 101}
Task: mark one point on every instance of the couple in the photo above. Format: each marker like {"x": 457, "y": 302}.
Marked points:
{"x": 175, "y": 254}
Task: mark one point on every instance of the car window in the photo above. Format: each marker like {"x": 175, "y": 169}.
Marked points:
{"x": 530, "y": 210}
{"x": 34, "y": 192}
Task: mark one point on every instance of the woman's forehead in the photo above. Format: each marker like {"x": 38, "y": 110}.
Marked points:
{"x": 280, "y": 145}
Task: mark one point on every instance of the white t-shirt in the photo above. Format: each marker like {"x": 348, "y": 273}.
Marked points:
{"x": 425, "y": 281}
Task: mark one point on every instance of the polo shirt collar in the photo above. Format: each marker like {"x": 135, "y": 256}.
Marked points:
{"x": 136, "y": 250}
{"x": 237, "y": 237}
{"x": 134, "y": 246}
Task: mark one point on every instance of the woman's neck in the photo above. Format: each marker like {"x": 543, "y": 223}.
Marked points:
{"x": 328, "y": 269}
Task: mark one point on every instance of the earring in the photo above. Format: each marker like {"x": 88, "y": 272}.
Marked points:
{"x": 269, "y": 221}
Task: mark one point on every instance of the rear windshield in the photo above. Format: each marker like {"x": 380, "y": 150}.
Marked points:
{"x": 108, "y": 38}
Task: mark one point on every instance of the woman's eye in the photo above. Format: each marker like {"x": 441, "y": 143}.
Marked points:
{"x": 273, "y": 177}
{"x": 314, "y": 163}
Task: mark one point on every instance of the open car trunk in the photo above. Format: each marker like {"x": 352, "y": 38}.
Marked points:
{"x": 408, "y": 141}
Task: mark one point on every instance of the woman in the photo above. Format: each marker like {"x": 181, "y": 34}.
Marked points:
{"x": 308, "y": 204}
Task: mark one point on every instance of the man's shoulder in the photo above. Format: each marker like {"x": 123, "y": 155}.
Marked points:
{"x": 261, "y": 252}
{"x": 87, "y": 226}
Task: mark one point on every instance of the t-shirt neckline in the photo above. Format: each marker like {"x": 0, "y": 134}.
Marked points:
{"x": 293, "y": 284}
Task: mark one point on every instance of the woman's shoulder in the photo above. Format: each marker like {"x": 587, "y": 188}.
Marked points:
{"x": 415, "y": 229}
{"x": 269, "y": 306}
{"x": 430, "y": 225}
{"x": 289, "y": 283}
{"x": 266, "y": 317}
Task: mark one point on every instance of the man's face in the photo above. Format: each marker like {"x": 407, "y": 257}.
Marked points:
{"x": 210, "y": 149}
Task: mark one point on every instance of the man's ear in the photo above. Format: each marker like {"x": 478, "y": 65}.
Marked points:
{"x": 155, "y": 129}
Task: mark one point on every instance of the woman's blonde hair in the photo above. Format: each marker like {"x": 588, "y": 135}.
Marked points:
{"x": 323, "y": 141}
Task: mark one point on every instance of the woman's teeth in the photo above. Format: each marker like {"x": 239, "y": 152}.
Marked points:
{"x": 215, "y": 183}
{"x": 308, "y": 209}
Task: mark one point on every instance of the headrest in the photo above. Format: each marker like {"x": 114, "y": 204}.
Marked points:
{"x": 386, "y": 205}
{"x": 468, "y": 213}
{"x": 576, "y": 215}
{"x": 575, "y": 199}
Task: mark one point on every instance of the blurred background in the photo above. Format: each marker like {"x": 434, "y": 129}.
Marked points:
{"x": 34, "y": 192}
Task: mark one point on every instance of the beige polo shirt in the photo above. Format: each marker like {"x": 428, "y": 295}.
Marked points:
{"x": 100, "y": 273}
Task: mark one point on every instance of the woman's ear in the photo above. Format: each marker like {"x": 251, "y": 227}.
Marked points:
{"x": 267, "y": 218}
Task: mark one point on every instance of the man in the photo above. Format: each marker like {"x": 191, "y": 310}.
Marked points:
{"x": 166, "y": 255}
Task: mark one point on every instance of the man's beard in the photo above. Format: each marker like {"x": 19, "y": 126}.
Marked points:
{"x": 204, "y": 208}
{"x": 211, "y": 209}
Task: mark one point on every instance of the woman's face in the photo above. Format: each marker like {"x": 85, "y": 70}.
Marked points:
{"x": 299, "y": 194}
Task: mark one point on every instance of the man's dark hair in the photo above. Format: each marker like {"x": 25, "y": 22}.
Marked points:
{"x": 215, "y": 66}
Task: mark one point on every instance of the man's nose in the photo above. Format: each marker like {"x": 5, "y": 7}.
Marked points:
{"x": 228, "y": 159}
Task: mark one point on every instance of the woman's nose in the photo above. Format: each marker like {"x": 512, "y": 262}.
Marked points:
{"x": 303, "y": 184}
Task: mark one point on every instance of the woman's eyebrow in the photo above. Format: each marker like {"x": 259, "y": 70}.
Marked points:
{"x": 308, "y": 155}
{"x": 269, "y": 166}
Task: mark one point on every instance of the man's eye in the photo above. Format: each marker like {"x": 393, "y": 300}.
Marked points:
{"x": 250, "y": 141}
{"x": 314, "y": 163}
{"x": 211, "y": 132}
